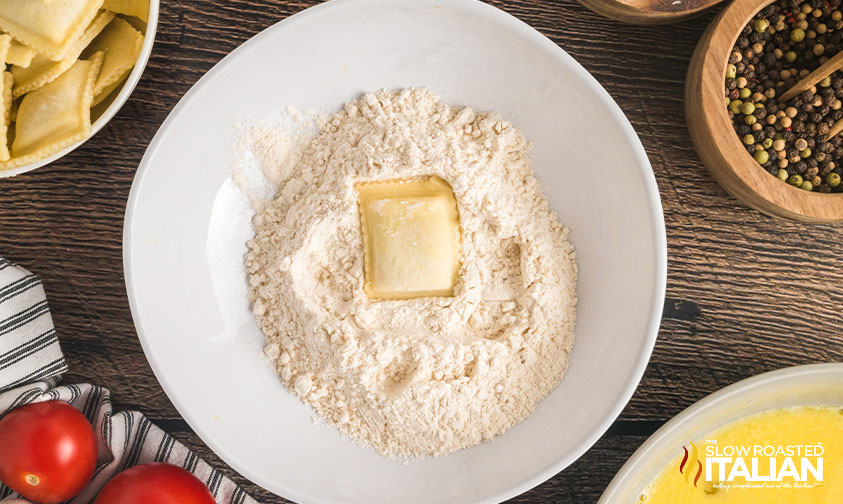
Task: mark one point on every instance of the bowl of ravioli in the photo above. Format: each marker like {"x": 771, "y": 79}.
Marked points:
{"x": 69, "y": 65}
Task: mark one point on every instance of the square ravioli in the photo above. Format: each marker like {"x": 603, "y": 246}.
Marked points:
{"x": 50, "y": 27}
{"x": 411, "y": 238}
{"x": 56, "y": 114}
{"x": 5, "y": 45}
{"x": 122, "y": 46}
{"x": 42, "y": 69}
{"x": 136, "y": 8}
{"x": 8, "y": 81}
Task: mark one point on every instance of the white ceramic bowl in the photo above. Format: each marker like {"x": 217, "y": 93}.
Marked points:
{"x": 103, "y": 112}
{"x": 812, "y": 385}
{"x": 186, "y": 226}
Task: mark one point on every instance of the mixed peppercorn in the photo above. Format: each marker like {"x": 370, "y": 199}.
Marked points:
{"x": 782, "y": 44}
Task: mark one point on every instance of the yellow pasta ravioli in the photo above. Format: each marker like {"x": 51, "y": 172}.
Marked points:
{"x": 19, "y": 54}
{"x": 13, "y": 110}
{"x": 8, "y": 80}
{"x": 56, "y": 115}
{"x": 122, "y": 45}
{"x": 136, "y": 8}
{"x": 49, "y": 26}
{"x": 43, "y": 70}
{"x": 5, "y": 45}
{"x": 411, "y": 238}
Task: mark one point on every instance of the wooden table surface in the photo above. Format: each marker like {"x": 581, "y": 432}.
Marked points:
{"x": 745, "y": 293}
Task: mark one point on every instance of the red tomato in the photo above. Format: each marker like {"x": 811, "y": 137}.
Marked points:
{"x": 155, "y": 483}
{"x": 48, "y": 451}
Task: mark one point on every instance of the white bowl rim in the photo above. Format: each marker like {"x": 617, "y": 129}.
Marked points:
{"x": 667, "y": 431}
{"x": 655, "y": 211}
{"x": 115, "y": 106}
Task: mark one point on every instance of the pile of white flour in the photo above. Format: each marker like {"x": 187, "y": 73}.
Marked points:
{"x": 423, "y": 376}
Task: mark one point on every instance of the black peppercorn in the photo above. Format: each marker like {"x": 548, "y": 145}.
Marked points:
{"x": 822, "y": 129}
{"x": 778, "y": 47}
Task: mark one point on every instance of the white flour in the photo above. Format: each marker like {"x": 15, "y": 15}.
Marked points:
{"x": 423, "y": 376}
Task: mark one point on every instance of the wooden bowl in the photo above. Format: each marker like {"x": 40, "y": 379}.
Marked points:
{"x": 717, "y": 142}
{"x": 649, "y": 11}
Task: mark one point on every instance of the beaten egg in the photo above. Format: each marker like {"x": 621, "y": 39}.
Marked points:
{"x": 778, "y": 456}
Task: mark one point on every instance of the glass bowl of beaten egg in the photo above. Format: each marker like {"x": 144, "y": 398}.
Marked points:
{"x": 775, "y": 437}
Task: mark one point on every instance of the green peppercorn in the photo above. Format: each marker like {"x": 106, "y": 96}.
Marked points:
{"x": 761, "y": 157}
{"x": 761, "y": 25}
{"x": 748, "y": 139}
{"x": 727, "y": 102}
{"x": 832, "y": 179}
{"x": 805, "y": 153}
{"x": 748, "y": 108}
{"x": 731, "y": 71}
{"x": 807, "y": 186}
{"x": 746, "y": 92}
{"x": 767, "y": 143}
{"x": 735, "y": 106}
{"x": 750, "y": 119}
{"x": 790, "y": 56}
{"x": 797, "y": 34}
{"x": 826, "y": 82}
{"x": 795, "y": 180}
{"x": 782, "y": 174}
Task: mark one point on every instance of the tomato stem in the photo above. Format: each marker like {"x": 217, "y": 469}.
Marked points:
{"x": 32, "y": 479}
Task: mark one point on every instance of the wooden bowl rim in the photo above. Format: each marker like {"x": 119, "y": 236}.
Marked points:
{"x": 627, "y": 11}
{"x": 794, "y": 201}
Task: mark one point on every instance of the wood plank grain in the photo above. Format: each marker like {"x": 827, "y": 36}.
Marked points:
{"x": 746, "y": 293}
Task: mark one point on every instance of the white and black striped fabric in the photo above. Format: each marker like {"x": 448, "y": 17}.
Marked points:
{"x": 31, "y": 364}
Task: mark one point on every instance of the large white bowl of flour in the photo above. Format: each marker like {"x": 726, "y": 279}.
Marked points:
{"x": 187, "y": 223}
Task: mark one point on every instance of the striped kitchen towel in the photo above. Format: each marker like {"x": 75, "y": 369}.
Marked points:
{"x": 31, "y": 365}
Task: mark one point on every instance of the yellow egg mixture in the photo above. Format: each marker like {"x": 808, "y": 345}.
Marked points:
{"x": 735, "y": 463}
